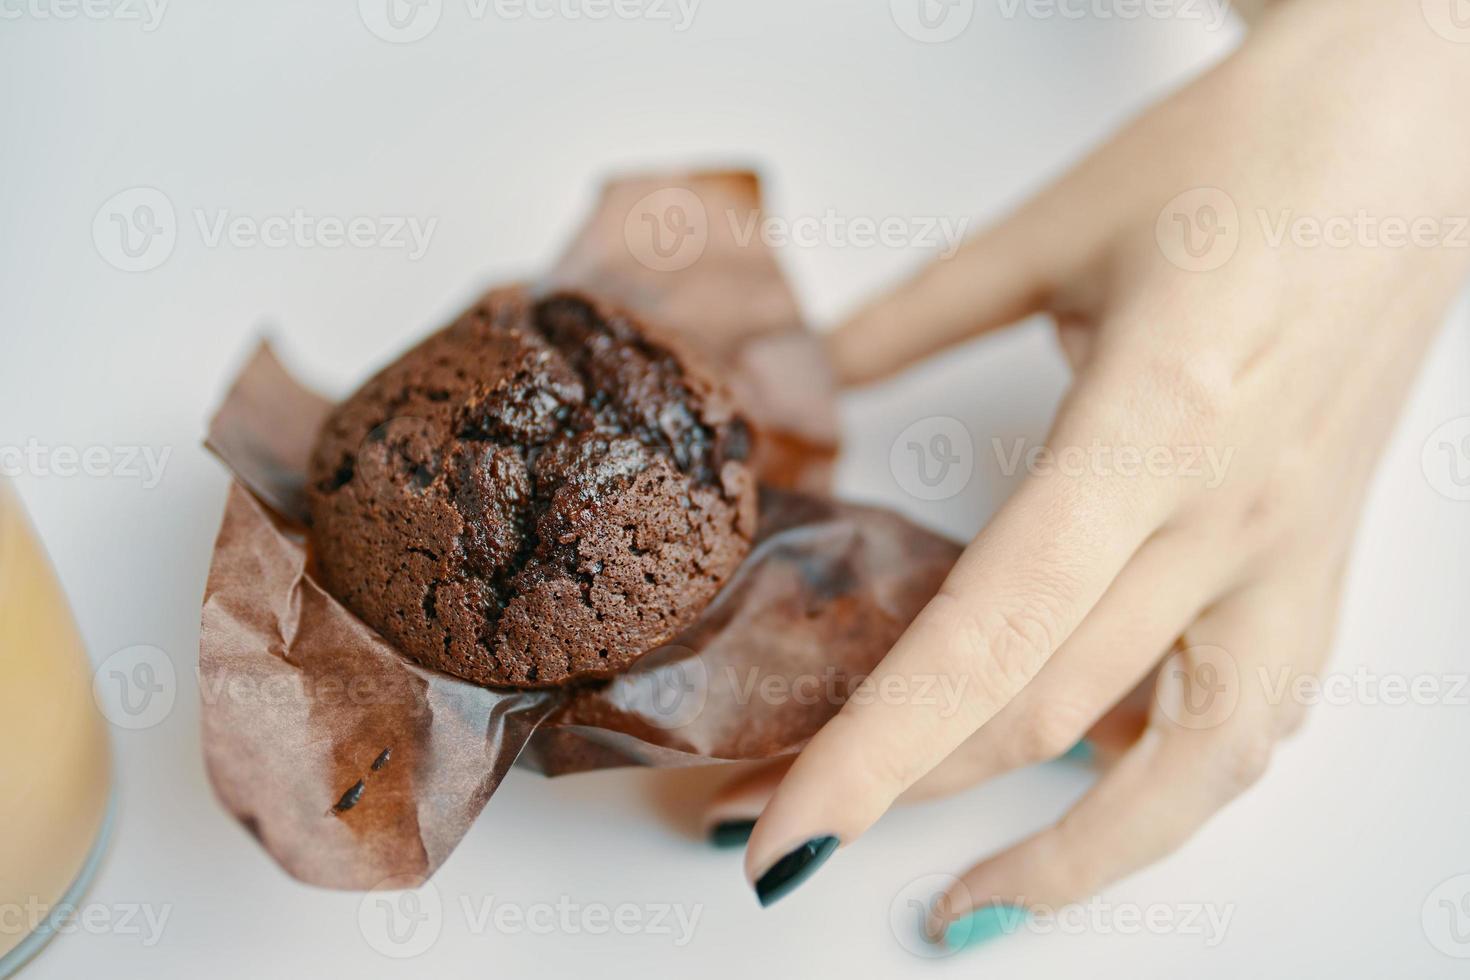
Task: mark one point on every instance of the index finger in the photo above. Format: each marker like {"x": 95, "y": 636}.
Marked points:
{"x": 1018, "y": 591}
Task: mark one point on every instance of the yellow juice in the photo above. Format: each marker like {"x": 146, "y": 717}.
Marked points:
{"x": 55, "y": 767}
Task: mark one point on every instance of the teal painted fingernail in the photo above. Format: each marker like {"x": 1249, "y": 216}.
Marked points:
{"x": 731, "y": 833}
{"x": 1082, "y": 752}
{"x": 983, "y": 925}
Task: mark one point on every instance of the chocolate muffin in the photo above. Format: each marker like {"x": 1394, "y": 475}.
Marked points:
{"x": 540, "y": 493}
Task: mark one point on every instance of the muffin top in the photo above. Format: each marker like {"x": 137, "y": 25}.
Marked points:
{"x": 539, "y": 493}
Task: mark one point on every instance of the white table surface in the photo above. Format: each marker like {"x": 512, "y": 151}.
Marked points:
{"x": 499, "y": 127}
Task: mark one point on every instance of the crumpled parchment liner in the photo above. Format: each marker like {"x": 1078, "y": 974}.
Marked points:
{"x": 352, "y": 764}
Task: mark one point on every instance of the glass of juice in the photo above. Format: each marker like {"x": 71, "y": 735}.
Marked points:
{"x": 55, "y": 766}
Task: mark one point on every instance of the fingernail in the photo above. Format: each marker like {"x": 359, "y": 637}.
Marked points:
{"x": 793, "y": 869}
{"x": 731, "y": 833}
{"x": 983, "y": 925}
{"x": 1082, "y": 753}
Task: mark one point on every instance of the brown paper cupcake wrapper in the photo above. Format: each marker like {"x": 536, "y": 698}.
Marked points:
{"x": 352, "y": 764}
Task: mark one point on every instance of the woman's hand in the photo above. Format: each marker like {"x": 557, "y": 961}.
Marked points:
{"x": 1205, "y": 323}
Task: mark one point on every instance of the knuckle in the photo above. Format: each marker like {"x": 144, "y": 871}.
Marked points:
{"x": 879, "y": 769}
{"x": 1070, "y": 859}
{"x": 1023, "y": 637}
{"x": 892, "y": 772}
{"x": 1282, "y": 502}
{"x": 1051, "y": 731}
{"x": 964, "y": 644}
{"x": 1243, "y": 759}
{"x": 1001, "y": 648}
{"x": 1198, "y": 391}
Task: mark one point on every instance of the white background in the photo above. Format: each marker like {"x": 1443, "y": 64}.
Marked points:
{"x": 500, "y": 128}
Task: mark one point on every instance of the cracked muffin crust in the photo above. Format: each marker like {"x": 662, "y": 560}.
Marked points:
{"x": 539, "y": 493}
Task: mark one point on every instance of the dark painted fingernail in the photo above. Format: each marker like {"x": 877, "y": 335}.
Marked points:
{"x": 731, "y": 833}
{"x": 793, "y": 869}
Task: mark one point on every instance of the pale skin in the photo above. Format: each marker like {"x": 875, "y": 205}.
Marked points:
{"x": 1292, "y": 357}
